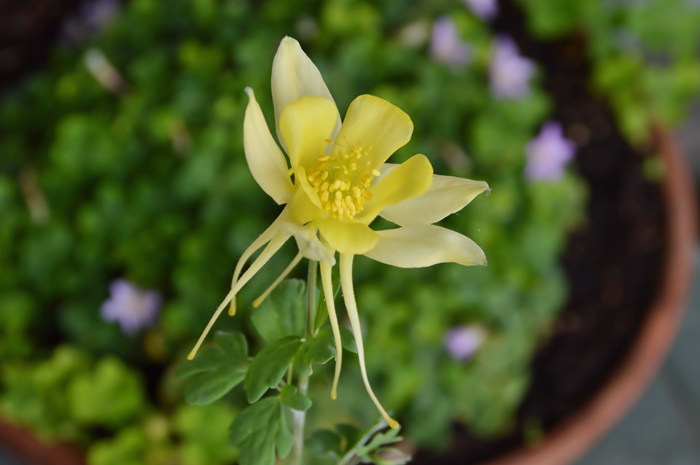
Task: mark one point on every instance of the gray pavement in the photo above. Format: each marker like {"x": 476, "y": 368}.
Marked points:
{"x": 663, "y": 428}
{"x": 7, "y": 459}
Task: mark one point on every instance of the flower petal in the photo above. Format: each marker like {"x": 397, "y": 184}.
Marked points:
{"x": 425, "y": 245}
{"x": 377, "y": 125}
{"x": 305, "y": 205}
{"x": 272, "y": 247}
{"x": 265, "y": 159}
{"x": 347, "y": 237}
{"x": 410, "y": 179}
{"x": 308, "y": 243}
{"x": 294, "y": 76}
{"x": 446, "y": 195}
{"x": 327, "y": 283}
{"x": 306, "y": 126}
{"x": 260, "y": 241}
{"x": 354, "y": 317}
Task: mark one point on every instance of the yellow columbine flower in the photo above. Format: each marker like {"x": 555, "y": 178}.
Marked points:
{"x": 337, "y": 183}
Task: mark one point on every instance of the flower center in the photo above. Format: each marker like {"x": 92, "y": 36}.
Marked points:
{"x": 342, "y": 180}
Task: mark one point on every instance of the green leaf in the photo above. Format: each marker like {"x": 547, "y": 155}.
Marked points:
{"x": 283, "y": 313}
{"x": 389, "y": 456}
{"x": 268, "y": 367}
{"x": 215, "y": 370}
{"x": 378, "y": 440}
{"x": 260, "y": 430}
{"x": 347, "y": 340}
{"x": 295, "y": 400}
{"x": 319, "y": 349}
{"x": 110, "y": 395}
{"x": 325, "y": 442}
{"x": 234, "y": 344}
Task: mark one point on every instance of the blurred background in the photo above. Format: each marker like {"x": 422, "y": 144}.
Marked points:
{"x": 125, "y": 201}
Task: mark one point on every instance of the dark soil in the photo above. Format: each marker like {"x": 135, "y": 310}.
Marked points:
{"x": 613, "y": 263}
{"x": 28, "y": 29}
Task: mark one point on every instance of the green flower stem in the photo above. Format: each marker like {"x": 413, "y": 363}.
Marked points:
{"x": 303, "y": 386}
{"x": 311, "y": 298}
{"x": 351, "y": 458}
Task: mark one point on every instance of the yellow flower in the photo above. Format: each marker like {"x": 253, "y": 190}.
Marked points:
{"x": 337, "y": 183}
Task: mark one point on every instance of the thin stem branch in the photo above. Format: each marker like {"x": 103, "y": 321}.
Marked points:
{"x": 303, "y": 383}
{"x": 311, "y": 305}
{"x": 350, "y": 455}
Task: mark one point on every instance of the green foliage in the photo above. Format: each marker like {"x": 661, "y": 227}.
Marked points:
{"x": 194, "y": 436}
{"x": 111, "y": 395}
{"x": 33, "y": 394}
{"x": 283, "y": 313}
{"x": 261, "y": 430}
{"x": 319, "y": 349}
{"x": 293, "y": 399}
{"x": 215, "y": 370}
{"x": 130, "y": 446}
{"x": 203, "y": 432}
{"x": 69, "y": 391}
{"x": 152, "y": 185}
{"x": 644, "y": 54}
{"x": 348, "y": 444}
{"x": 269, "y": 366}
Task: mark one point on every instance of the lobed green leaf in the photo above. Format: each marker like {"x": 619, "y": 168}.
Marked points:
{"x": 283, "y": 313}
{"x": 260, "y": 430}
{"x": 295, "y": 400}
{"x": 215, "y": 370}
{"x": 269, "y": 366}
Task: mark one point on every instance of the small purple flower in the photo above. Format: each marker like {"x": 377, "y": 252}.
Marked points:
{"x": 464, "y": 341}
{"x": 92, "y": 18}
{"x": 510, "y": 72}
{"x": 131, "y": 307}
{"x": 548, "y": 153}
{"x": 484, "y": 9}
{"x": 446, "y": 46}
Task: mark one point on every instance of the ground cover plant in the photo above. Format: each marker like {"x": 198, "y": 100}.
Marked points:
{"x": 126, "y": 201}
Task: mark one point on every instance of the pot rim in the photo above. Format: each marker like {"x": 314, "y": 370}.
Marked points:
{"x": 576, "y": 435}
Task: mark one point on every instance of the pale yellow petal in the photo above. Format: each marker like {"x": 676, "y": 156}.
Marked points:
{"x": 310, "y": 246}
{"x": 425, "y": 245}
{"x": 275, "y": 244}
{"x": 265, "y": 159}
{"x": 294, "y": 76}
{"x": 260, "y": 241}
{"x": 410, "y": 179}
{"x": 351, "y": 307}
{"x": 347, "y": 237}
{"x": 306, "y": 126}
{"x": 446, "y": 195}
{"x": 305, "y": 206}
{"x": 261, "y": 298}
{"x": 329, "y": 295}
{"x": 374, "y": 124}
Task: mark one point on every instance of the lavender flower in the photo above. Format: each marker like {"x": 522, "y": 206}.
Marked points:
{"x": 92, "y": 18}
{"x": 484, "y": 9}
{"x": 510, "y": 72}
{"x": 464, "y": 341}
{"x": 131, "y": 307}
{"x": 548, "y": 153}
{"x": 446, "y": 46}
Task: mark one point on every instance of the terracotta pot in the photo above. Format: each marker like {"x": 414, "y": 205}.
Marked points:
{"x": 32, "y": 451}
{"x": 571, "y": 439}
{"x": 568, "y": 441}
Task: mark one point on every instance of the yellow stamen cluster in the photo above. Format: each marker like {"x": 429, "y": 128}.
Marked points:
{"x": 342, "y": 180}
